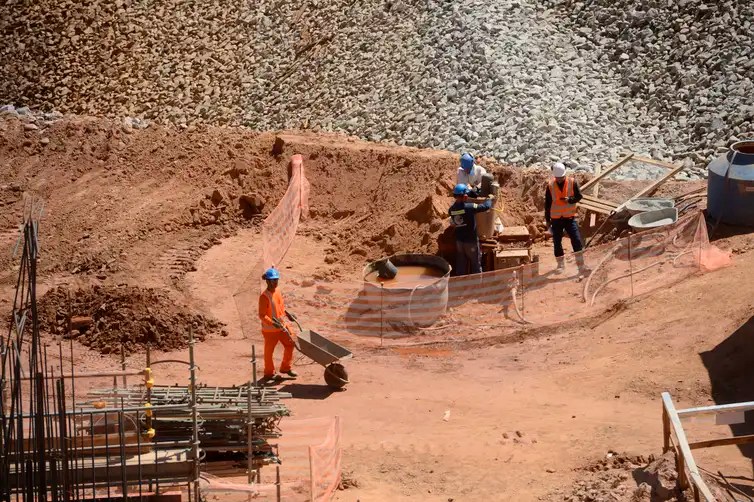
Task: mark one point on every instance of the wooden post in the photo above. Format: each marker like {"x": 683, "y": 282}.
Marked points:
{"x": 593, "y": 215}
{"x": 665, "y": 430}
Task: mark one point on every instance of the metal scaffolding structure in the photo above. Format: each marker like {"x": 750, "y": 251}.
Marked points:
{"x": 120, "y": 442}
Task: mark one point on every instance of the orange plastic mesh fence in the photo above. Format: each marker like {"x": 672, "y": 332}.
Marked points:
{"x": 537, "y": 293}
{"x": 277, "y": 233}
{"x": 311, "y": 456}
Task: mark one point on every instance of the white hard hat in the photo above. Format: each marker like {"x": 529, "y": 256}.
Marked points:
{"x": 558, "y": 170}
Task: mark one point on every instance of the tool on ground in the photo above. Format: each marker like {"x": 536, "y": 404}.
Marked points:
{"x": 320, "y": 350}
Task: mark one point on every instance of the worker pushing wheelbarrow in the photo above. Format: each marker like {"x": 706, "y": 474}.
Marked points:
{"x": 311, "y": 344}
{"x": 320, "y": 350}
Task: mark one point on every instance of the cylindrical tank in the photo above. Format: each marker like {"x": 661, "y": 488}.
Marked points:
{"x": 485, "y": 221}
{"x": 730, "y": 185}
{"x": 487, "y": 180}
{"x": 416, "y": 297}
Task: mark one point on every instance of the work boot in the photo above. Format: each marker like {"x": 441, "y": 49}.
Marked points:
{"x": 561, "y": 266}
{"x": 268, "y": 379}
{"x": 291, "y": 373}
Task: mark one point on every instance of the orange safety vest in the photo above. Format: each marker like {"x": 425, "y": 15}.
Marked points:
{"x": 560, "y": 207}
{"x": 271, "y": 305}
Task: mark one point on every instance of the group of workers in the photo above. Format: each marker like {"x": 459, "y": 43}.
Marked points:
{"x": 561, "y": 196}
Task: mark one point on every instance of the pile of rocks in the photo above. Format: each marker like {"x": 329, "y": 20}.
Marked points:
{"x": 524, "y": 81}
{"x": 689, "y": 65}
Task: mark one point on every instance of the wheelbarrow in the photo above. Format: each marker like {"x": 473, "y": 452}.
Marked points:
{"x": 320, "y": 350}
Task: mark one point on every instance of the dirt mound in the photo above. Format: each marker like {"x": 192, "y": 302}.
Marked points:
{"x": 627, "y": 478}
{"x": 131, "y": 316}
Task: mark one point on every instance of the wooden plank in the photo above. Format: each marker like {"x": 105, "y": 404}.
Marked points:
{"x": 715, "y": 409}
{"x": 597, "y": 200}
{"x": 513, "y": 253}
{"x": 517, "y": 231}
{"x": 722, "y": 442}
{"x": 683, "y": 445}
{"x": 659, "y": 163}
{"x": 596, "y": 192}
{"x": 610, "y": 169}
{"x": 596, "y": 208}
{"x": 654, "y": 186}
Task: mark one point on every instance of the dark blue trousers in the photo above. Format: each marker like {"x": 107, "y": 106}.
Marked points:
{"x": 569, "y": 226}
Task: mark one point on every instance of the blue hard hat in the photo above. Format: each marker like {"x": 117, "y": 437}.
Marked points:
{"x": 467, "y": 162}
{"x": 271, "y": 274}
{"x": 460, "y": 189}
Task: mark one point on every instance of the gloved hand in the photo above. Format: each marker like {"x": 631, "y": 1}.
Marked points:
{"x": 473, "y": 193}
{"x": 571, "y": 200}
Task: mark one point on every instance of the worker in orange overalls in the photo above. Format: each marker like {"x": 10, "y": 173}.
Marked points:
{"x": 272, "y": 309}
{"x": 561, "y": 196}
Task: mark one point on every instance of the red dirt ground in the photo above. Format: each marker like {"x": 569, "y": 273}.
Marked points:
{"x": 527, "y": 410}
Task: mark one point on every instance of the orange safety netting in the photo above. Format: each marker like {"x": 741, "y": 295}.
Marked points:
{"x": 277, "y": 232}
{"x": 310, "y": 469}
{"x": 531, "y": 294}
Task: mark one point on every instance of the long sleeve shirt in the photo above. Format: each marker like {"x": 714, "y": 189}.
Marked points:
{"x": 462, "y": 217}
{"x": 472, "y": 179}
{"x": 548, "y": 197}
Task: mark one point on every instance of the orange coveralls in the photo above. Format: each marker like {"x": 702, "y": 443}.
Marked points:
{"x": 271, "y": 305}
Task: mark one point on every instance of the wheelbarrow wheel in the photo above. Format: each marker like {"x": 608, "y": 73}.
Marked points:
{"x": 336, "y": 376}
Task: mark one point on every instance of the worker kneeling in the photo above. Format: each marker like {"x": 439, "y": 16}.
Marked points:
{"x": 462, "y": 218}
{"x": 274, "y": 328}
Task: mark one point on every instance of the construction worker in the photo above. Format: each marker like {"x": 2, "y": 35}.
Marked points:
{"x": 272, "y": 313}
{"x": 470, "y": 174}
{"x": 462, "y": 217}
{"x": 561, "y": 196}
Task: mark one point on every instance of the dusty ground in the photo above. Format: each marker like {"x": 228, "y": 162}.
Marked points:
{"x": 523, "y": 418}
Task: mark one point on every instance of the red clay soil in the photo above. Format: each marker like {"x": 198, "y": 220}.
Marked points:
{"x": 126, "y": 316}
{"x": 118, "y": 199}
{"x": 143, "y": 208}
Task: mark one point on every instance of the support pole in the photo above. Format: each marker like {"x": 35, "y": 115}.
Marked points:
{"x": 194, "y": 418}
{"x": 630, "y": 264}
{"x": 382, "y": 302}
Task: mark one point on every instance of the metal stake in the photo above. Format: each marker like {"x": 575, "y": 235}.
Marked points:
{"x": 630, "y": 265}
{"x": 382, "y": 294}
{"x": 194, "y": 418}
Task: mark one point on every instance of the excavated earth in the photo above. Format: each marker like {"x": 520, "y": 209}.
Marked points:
{"x": 151, "y": 231}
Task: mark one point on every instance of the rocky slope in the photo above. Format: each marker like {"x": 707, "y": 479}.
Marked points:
{"x": 523, "y": 81}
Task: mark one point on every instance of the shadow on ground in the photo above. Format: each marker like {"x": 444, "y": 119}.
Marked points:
{"x": 731, "y": 372}
{"x": 307, "y": 391}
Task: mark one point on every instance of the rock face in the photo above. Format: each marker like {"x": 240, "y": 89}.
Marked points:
{"x": 524, "y": 81}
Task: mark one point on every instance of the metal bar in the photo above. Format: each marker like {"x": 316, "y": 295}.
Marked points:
{"x": 63, "y": 439}
{"x": 194, "y": 417}
{"x": 96, "y": 375}
{"x": 630, "y": 265}
{"x": 115, "y": 410}
{"x": 122, "y": 440}
{"x": 73, "y": 408}
{"x": 107, "y": 457}
{"x": 163, "y": 361}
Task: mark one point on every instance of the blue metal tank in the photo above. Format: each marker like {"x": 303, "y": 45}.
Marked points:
{"x": 730, "y": 185}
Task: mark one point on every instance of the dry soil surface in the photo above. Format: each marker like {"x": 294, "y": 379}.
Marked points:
{"x": 510, "y": 418}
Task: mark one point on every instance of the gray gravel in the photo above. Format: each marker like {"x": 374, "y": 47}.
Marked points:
{"x": 525, "y": 81}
